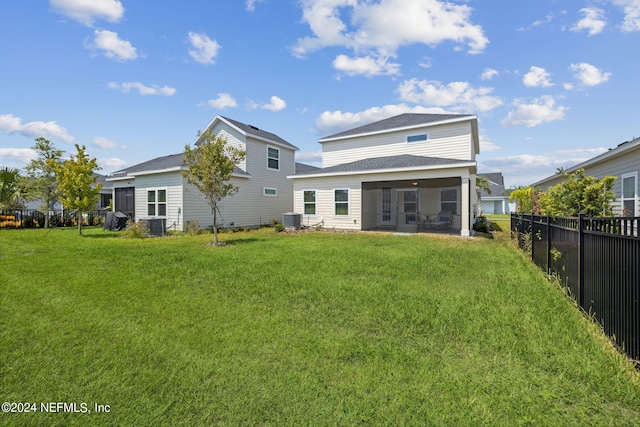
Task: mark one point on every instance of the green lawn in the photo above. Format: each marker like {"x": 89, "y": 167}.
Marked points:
{"x": 303, "y": 329}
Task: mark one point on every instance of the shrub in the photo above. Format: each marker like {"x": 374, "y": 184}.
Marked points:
{"x": 137, "y": 230}
{"x": 192, "y": 227}
{"x": 482, "y": 224}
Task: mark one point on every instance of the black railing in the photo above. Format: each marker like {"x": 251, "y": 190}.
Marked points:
{"x": 597, "y": 260}
{"x": 33, "y": 218}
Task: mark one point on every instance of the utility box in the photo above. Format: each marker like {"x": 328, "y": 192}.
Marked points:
{"x": 291, "y": 220}
{"x": 155, "y": 226}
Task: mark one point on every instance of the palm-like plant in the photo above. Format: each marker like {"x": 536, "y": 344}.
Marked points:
{"x": 10, "y": 189}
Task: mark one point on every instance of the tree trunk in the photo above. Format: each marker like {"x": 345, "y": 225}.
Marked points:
{"x": 79, "y": 221}
{"x": 215, "y": 226}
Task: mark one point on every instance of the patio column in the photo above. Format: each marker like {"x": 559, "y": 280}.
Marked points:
{"x": 465, "y": 209}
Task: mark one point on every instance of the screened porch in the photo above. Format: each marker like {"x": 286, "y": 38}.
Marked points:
{"x": 412, "y": 206}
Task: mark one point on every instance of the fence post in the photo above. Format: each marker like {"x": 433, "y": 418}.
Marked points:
{"x": 581, "y": 258}
{"x": 548, "y": 235}
{"x": 532, "y": 240}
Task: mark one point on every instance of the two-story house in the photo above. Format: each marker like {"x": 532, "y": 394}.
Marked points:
{"x": 403, "y": 173}
{"x": 157, "y": 189}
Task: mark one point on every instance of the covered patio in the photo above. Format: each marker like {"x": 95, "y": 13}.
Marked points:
{"x": 438, "y": 205}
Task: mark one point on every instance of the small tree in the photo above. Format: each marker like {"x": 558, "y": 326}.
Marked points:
{"x": 526, "y": 199}
{"x": 76, "y": 181}
{"x": 209, "y": 167}
{"x": 42, "y": 176}
{"x": 11, "y": 188}
{"x": 579, "y": 193}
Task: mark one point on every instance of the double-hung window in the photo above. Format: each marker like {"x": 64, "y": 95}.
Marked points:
{"x": 157, "y": 202}
{"x": 341, "y": 201}
{"x": 309, "y": 202}
{"x": 449, "y": 200}
{"x": 629, "y": 193}
{"x": 273, "y": 158}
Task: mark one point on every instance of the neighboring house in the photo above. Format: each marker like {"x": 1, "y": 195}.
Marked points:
{"x": 103, "y": 201}
{"x": 622, "y": 162}
{"x": 394, "y": 174}
{"x": 496, "y": 202}
{"x": 156, "y": 188}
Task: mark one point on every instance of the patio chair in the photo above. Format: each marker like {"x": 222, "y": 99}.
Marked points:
{"x": 443, "y": 220}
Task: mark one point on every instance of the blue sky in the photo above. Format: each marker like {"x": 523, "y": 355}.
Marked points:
{"x": 553, "y": 82}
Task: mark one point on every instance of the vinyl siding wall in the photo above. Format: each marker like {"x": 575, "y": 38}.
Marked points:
{"x": 170, "y": 181}
{"x": 628, "y": 162}
{"x": 249, "y": 206}
{"x": 452, "y": 141}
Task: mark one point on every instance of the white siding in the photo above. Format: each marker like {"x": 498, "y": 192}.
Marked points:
{"x": 249, "y": 206}
{"x": 325, "y": 187}
{"x": 170, "y": 181}
{"x": 452, "y": 141}
{"x": 325, "y": 204}
{"x": 628, "y": 162}
{"x": 233, "y": 138}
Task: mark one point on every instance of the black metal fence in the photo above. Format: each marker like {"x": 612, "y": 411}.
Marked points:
{"x": 31, "y": 218}
{"x": 598, "y": 260}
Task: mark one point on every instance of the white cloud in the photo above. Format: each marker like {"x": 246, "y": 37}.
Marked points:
{"x": 588, "y": 74}
{"x": 224, "y": 100}
{"x": 204, "y": 50}
{"x": 366, "y": 66}
{"x": 368, "y": 31}
{"x": 102, "y": 142}
{"x": 112, "y": 46}
{"x": 251, "y": 4}
{"x": 459, "y": 96}
{"x": 331, "y": 122}
{"x": 111, "y": 164}
{"x": 50, "y": 130}
{"x": 593, "y": 21}
{"x": 276, "y": 104}
{"x": 20, "y": 155}
{"x": 489, "y": 73}
{"x": 87, "y": 11}
{"x": 537, "y": 77}
{"x": 529, "y": 168}
{"x": 542, "y": 110}
{"x": 143, "y": 89}
{"x": 309, "y": 157}
{"x": 485, "y": 143}
{"x": 631, "y": 10}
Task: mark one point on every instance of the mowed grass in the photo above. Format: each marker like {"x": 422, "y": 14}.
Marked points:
{"x": 302, "y": 329}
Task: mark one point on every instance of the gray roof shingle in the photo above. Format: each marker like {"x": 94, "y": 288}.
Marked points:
{"x": 259, "y": 133}
{"x": 162, "y": 163}
{"x": 381, "y": 163}
{"x": 400, "y": 121}
{"x": 302, "y": 168}
{"x": 496, "y": 184}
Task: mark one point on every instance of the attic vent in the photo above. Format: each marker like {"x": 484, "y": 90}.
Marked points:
{"x": 253, "y": 127}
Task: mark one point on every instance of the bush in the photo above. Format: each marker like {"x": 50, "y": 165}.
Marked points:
{"x": 192, "y": 227}
{"x": 482, "y": 224}
{"x": 137, "y": 230}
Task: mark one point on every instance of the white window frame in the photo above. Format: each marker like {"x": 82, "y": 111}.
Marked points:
{"x": 314, "y": 203}
{"x": 266, "y": 194}
{"x": 417, "y": 135}
{"x": 269, "y": 157}
{"x": 457, "y": 190}
{"x": 156, "y": 203}
{"x": 634, "y": 177}
{"x": 348, "y": 202}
